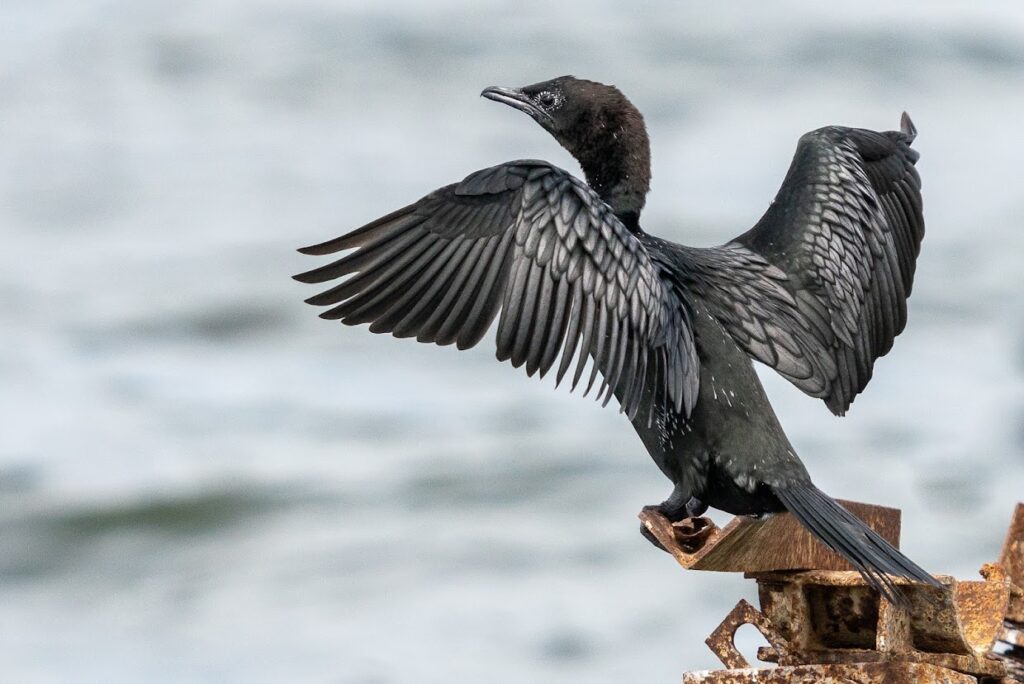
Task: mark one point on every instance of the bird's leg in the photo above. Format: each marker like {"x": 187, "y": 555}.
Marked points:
{"x": 695, "y": 507}
{"x": 681, "y": 504}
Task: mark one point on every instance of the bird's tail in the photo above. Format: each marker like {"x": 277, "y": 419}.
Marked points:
{"x": 838, "y": 529}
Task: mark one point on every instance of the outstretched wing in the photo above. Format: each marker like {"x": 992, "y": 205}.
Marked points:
{"x": 533, "y": 241}
{"x": 845, "y": 229}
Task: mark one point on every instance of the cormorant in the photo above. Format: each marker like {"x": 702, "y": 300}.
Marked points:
{"x": 816, "y": 290}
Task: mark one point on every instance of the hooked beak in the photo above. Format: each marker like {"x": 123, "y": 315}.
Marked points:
{"x": 517, "y": 99}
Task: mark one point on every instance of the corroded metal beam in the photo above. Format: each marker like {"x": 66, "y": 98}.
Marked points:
{"x": 862, "y": 673}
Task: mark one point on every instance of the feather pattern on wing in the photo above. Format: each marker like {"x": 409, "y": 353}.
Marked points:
{"x": 532, "y": 241}
{"x": 840, "y": 243}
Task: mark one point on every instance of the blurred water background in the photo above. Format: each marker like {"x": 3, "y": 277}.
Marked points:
{"x": 201, "y": 481}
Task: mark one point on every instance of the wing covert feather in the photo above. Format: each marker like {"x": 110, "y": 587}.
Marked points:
{"x": 841, "y": 241}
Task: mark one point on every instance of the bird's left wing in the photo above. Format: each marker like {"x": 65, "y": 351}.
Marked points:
{"x": 540, "y": 245}
{"x": 840, "y": 241}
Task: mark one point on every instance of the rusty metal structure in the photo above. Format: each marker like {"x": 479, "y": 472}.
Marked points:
{"x": 824, "y": 624}
{"x": 1011, "y": 639}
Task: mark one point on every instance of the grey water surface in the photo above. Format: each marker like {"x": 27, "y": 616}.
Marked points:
{"x": 201, "y": 481}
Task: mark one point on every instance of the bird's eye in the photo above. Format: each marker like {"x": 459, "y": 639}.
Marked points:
{"x": 546, "y": 99}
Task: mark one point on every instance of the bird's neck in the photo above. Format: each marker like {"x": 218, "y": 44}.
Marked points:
{"x": 621, "y": 191}
{"x": 615, "y": 156}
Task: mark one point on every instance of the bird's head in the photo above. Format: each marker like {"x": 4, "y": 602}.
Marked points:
{"x": 597, "y": 125}
{"x": 571, "y": 109}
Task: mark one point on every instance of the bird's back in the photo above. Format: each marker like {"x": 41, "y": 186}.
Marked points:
{"x": 732, "y": 442}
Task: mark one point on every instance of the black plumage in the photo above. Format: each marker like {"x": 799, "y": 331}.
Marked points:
{"x": 816, "y": 290}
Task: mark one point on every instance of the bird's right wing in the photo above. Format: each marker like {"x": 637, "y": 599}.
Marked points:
{"x": 540, "y": 245}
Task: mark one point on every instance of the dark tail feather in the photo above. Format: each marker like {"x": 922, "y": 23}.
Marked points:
{"x": 847, "y": 535}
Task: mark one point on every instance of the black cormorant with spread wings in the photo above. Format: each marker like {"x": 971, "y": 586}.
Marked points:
{"x": 817, "y": 290}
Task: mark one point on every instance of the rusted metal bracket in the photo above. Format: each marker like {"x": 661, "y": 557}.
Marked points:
{"x": 722, "y": 641}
